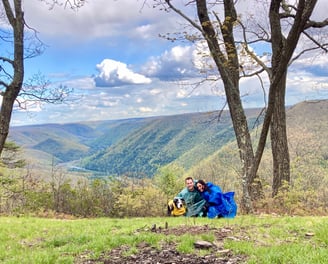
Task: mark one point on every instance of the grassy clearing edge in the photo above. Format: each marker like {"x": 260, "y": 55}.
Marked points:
{"x": 264, "y": 239}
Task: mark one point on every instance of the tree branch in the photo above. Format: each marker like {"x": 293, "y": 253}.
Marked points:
{"x": 251, "y": 54}
{"x": 193, "y": 23}
{"x": 7, "y": 60}
{"x": 315, "y": 24}
{"x": 9, "y": 12}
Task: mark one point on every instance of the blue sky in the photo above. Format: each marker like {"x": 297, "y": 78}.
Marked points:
{"x": 111, "y": 54}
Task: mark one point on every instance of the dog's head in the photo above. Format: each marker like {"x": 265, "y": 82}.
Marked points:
{"x": 178, "y": 202}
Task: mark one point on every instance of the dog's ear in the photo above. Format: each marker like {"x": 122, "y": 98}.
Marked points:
{"x": 169, "y": 210}
{"x": 170, "y": 206}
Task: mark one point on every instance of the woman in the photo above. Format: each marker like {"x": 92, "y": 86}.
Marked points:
{"x": 218, "y": 204}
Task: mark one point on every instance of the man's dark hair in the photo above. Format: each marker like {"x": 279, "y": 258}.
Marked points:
{"x": 189, "y": 178}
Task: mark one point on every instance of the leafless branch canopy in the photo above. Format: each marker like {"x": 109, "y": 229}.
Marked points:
{"x": 72, "y": 4}
{"x": 39, "y": 89}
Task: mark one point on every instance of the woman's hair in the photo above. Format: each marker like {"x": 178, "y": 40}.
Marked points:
{"x": 202, "y": 182}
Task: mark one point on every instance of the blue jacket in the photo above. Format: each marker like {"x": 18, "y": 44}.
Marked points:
{"x": 219, "y": 204}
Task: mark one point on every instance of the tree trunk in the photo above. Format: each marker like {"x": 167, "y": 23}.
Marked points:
{"x": 16, "y": 19}
{"x": 279, "y": 142}
{"x": 244, "y": 143}
{"x": 5, "y": 116}
{"x": 228, "y": 66}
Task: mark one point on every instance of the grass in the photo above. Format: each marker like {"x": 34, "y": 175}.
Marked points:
{"x": 267, "y": 239}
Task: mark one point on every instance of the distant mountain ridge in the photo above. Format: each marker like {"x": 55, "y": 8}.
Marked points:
{"x": 161, "y": 141}
{"x": 137, "y": 146}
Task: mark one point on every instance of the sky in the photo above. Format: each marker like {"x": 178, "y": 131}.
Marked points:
{"x": 111, "y": 55}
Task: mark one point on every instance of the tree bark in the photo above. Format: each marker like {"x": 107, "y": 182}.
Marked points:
{"x": 15, "y": 17}
{"x": 279, "y": 141}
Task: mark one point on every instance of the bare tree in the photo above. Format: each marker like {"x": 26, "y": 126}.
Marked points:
{"x": 288, "y": 24}
{"x": 15, "y": 16}
{"x": 222, "y": 44}
{"x": 13, "y": 89}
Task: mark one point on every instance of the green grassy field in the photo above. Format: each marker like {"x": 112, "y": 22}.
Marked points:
{"x": 263, "y": 239}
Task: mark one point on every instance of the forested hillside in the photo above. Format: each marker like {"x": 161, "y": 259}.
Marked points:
{"x": 133, "y": 146}
{"x": 197, "y": 145}
{"x": 162, "y": 141}
{"x": 307, "y": 130}
{"x": 138, "y": 147}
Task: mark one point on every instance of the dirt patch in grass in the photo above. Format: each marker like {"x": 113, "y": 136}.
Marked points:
{"x": 168, "y": 252}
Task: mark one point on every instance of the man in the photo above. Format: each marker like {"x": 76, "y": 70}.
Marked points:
{"x": 192, "y": 198}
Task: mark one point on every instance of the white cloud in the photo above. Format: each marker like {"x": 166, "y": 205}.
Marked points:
{"x": 182, "y": 93}
{"x": 114, "y": 73}
{"x": 99, "y": 19}
{"x": 311, "y": 60}
{"x": 303, "y": 82}
{"x": 155, "y": 91}
{"x": 201, "y": 56}
{"x": 177, "y": 63}
{"x": 139, "y": 100}
{"x": 145, "y": 109}
{"x": 320, "y": 11}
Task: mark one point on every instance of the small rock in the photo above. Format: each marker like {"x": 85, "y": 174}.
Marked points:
{"x": 203, "y": 244}
{"x": 309, "y": 234}
{"x": 224, "y": 251}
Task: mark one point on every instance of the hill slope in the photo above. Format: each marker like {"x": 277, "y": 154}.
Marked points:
{"x": 139, "y": 146}
{"x": 161, "y": 141}
{"x": 134, "y": 146}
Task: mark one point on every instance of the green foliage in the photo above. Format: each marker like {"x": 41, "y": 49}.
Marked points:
{"x": 186, "y": 139}
{"x": 59, "y": 149}
{"x": 169, "y": 180}
{"x": 115, "y": 197}
{"x": 294, "y": 200}
{"x": 9, "y": 157}
{"x": 138, "y": 198}
{"x": 22, "y": 193}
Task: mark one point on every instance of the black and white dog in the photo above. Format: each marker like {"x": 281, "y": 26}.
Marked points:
{"x": 177, "y": 203}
